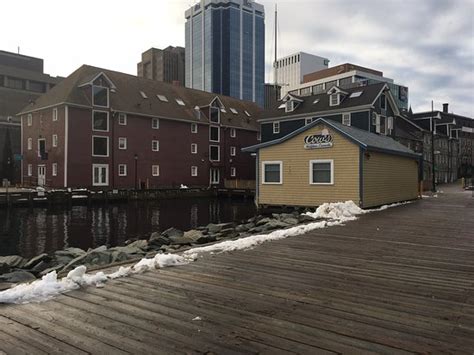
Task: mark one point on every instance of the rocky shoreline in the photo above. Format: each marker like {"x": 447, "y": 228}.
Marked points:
{"x": 16, "y": 269}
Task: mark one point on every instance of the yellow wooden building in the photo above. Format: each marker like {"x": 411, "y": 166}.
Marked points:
{"x": 326, "y": 161}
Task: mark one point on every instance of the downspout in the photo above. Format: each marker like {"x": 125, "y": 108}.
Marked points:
{"x": 257, "y": 179}
{"x": 361, "y": 177}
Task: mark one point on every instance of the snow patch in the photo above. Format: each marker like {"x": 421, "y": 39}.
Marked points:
{"x": 183, "y": 187}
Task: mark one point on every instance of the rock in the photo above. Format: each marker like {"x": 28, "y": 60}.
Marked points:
{"x": 264, "y": 221}
{"x": 206, "y": 239}
{"x": 17, "y": 276}
{"x": 118, "y": 256}
{"x": 131, "y": 251}
{"x": 172, "y": 232}
{"x": 303, "y": 218}
{"x": 290, "y": 220}
{"x": 157, "y": 240}
{"x": 188, "y": 237}
{"x": 53, "y": 268}
{"x": 140, "y": 244}
{"x": 13, "y": 261}
{"x": 72, "y": 252}
{"x": 4, "y": 268}
{"x": 94, "y": 257}
{"x": 42, "y": 265}
{"x": 36, "y": 260}
{"x": 274, "y": 224}
{"x": 257, "y": 229}
{"x": 216, "y": 228}
{"x": 244, "y": 227}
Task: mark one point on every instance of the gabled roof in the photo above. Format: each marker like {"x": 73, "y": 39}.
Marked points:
{"x": 366, "y": 99}
{"x": 127, "y": 98}
{"x": 366, "y": 140}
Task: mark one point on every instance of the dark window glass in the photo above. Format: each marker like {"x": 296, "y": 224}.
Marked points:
{"x": 214, "y": 134}
{"x": 100, "y": 146}
{"x": 345, "y": 82}
{"x": 214, "y": 152}
{"x": 100, "y": 121}
{"x": 15, "y": 83}
{"x": 319, "y": 88}
{"x": 383, "y": 102}
{"x": 330, "y": 84}
{"x": 272, "y": 173}
{"x": 100, "y": 96}
{"x": 36, "y": 86}
{"x": 214, "y": 114}
{"x": 322, "y": 173}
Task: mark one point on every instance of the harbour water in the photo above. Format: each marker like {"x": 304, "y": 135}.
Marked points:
{"x": 29, "y": 232}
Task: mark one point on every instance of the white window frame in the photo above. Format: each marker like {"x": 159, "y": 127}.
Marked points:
{"x": 155, "y": 123}
{"x": 218, "y": 134}
{"x": 348, "y": 117}
{"x": 218, "y": 152}
{"x": 311, "y": 162}
{"x": 194, "y": 148}
{"x": 55, "y": 114}
{"x": 108, "y": 148}
{"x": 194, "y": 128}
{"x": 108, "y": 95}
{"x": 106, "y": 166}
{"x": 276, "y": 127}
{"x": 30, "y": 143}
{"x": 122, "y": 119}
{"x": 100, "y": 130}
{"x": 272, "y": 162}
{"x": 155, "y": 170}
{"x": 307, "y": 121}
{"x": 194, "y": 171}
{"x": 232, "y": 171}
{"x": 337, "y": 95}
{"x": 54, "y": 169}
{"x": 157, "y": 145}
{"x": 39, "y": 145}
{"x": 122, "y": 143}
{"x": 232, "y": 151}
{"x": 54, "y": 140}
{"x": 29, "y": 119}
{"x": 30, "y": 169}
{"x": 233, "y": 133}
{"x": 124, "y": 172}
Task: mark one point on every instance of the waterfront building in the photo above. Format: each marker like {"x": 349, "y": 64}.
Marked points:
{"x": 163, "y": 65}
{"x": 347, "y": 76}
{"x": 291, "y": 69}
{"x": 22, "y": 80}
{"x": 225, "y": 48}
{"x": 327, "y": 161}
{"x": 109, "y": 130}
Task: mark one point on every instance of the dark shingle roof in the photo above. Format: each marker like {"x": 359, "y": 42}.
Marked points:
{"x": 127, "y": 98}
{"x": 365, "y": 139}
{"x": 369, "y": 94}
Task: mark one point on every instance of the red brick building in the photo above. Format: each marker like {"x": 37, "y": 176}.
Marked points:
{"x": 104, "y": 129}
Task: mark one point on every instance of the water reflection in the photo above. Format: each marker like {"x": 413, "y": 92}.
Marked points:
{"x": 30, "y": 232}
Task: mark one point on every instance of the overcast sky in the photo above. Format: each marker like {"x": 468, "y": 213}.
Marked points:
{"x": 427, "y": 45}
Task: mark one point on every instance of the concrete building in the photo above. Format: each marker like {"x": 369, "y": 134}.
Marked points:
{"x": 225, "y": 48}
{"x": 272, "y": 95}
{"x": 108, "y": 130}
{"x": 291, "y": 69}
{"x": 347, "y": 76}
{"x": 163, "y": 65}
{"x": 22, "y": 81}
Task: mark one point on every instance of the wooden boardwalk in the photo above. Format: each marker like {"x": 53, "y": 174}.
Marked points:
{"x": 395, "y": 281}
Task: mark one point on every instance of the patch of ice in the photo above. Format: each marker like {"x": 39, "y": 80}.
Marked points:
{"x": 183, "y": 187}
{"x": 340, "y": 211}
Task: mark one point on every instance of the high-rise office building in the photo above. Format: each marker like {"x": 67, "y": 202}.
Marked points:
{"x": 163, "y": 65}
{"x": 225, "y": 48}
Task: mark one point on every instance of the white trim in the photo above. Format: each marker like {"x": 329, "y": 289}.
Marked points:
{"x": 124, "y": 141}
{"x": 66, "y": 133}
{"x": 194, "y": 128}
{"x": 108, "y": 149}
{"x": 311, "y": 162}
{"x": 29, "y": 118}
{"x": 232, "y": 151}
{"x": 218, "y": 152}
{"x": 54, "y": 140}
{"x": 233, "y": 133}
{"x": 91, "y": 82}
{"x": 218, "y": 134}
{"x": 157, "y": 145}
{"x": 362, "y": 108}
{"x": 30, "y": 170}
{"x": 54, "y": 169}
{"x": 55, "y": 114}
{"x": 194, "y": 151}
{"x": 124, "y": 116}
{"x": 272, "y": 162}
{"x": 108, "y": 95}
{"x": 194, "y": 171}
{"x": 29, "y": 144}
{"x": 155, "y": 170}
{"x": 232, "y": 171}
{"x": 124, "y": 171}
{"x": 348, "y": 117}
{"x": 100, "y": 130}
{"x": 155, "y": 123}
{"x": 276, "y": 127}
{"x": 106, "y": 166}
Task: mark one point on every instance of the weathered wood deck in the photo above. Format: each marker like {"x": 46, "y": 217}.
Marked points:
{"x": 396, "y": 281}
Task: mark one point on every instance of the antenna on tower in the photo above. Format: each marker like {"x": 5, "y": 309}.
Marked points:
{"x": 275, "y": 65}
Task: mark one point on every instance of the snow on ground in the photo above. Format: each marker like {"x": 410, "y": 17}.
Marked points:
{"x": 50, "y": 286}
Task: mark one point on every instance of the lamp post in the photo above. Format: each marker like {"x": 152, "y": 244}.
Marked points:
{"x": 136, "y": 171}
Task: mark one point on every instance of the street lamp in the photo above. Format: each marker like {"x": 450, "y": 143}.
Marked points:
{"x": 136, "y": 171}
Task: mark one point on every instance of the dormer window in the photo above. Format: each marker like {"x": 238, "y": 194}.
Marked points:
{"x": 100, "y": 96}
{"x": 214, "y": 114}
{"x": 290, "y": 106}
{"x": 334, "y": 99}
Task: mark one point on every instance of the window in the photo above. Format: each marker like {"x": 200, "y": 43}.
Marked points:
{"x": 232, "y": 133}
{"x": 389, "y": 125}
{"x": 247, "y": 113}
{"x": 100, "y": 121}
{"x": 346, "y": 119}
{"x": 214, "y": 134}
{"x": 15, "y": 83}
{"x": 194, "y": 148}
{"x": 259, "y": 136}
{"x": 155, "y": 170}
{"x": 162, "y": 98}
{"x": 374, "y": 118}
{"x": 180, "y": 102}
{"x": 122, "y": 119}
{"x": 100, "y": 146}
{"x": 383, "y": 101}
{"x": 232, "y": 172}
{"x": 30, "y": 170}
{"x": 36, "y": 86}
{"x": 155, "y": 123}
{"x": 308, "y": 121}
{"x": 234, "y": 111}
{"x": 321, "y": 172}
{"x": 30, "y": 143}
{"x": 55, "y": 169}
{"x": 232, "y": 151}
{"x": 214, "y": 153}
{"x": 42, "y": 148}
{"x": 317, "y": 89}
{"x": 142, "y": 93}
{"x": 355, "y": 94}
{"x": 122, "y": 143}
{"x": 155, "y": 145}
{"x": 100, "y": 96}
{"x": 122, "y": 170}
{"x": 272, "y": 172}
{"x": 30, "y": 119}
{"x": 55, "y": 140}
{"x": 100, "y": 174}
{"x": 315, "y": 101}
{"x": 55, "y": 114}
{"x": 194, "y": 171}
{"x": 305, "y": 91}
{"x": 289, "y": 106}
{"x": 214, "y": 114}
{"x": 330, "y": 84}
{"x": 345, "y": 81}
{"x": 334, "y": 99}
{"x": 194, "y": 128}
{"x": 276, "y": 127}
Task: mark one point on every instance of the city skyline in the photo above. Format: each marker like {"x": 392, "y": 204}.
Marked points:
{"x": 427, "y": 46}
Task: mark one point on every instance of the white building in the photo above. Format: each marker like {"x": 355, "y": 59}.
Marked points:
{"x": 291, "y": 69}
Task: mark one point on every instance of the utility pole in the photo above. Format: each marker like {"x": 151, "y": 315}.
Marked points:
{"x": 433, "y": 174}
{"x": 275, "y": 63}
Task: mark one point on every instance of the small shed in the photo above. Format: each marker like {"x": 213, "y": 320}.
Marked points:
{"x": 326, "y": 161}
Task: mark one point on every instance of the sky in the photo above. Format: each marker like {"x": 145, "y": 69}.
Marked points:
{"x": 427, "y": 45}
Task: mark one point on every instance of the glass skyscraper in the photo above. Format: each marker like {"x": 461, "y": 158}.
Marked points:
{"x": 225, "y": 48}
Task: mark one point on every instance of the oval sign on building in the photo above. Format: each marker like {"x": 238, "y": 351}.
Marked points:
{"x": 316, "y": 141}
